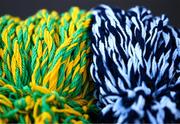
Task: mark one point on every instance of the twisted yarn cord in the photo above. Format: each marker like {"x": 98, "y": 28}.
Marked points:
{"x": 43, "y": 68}
{"x": 136, "y": 66}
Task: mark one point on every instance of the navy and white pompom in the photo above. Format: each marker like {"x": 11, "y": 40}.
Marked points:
{"x": 136, "y": 66}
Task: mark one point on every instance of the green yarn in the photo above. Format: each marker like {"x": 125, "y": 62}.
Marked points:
{"x": 43, "y": 68}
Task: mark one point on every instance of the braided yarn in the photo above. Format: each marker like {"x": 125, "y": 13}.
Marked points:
{"x": 136, "y": 66}
{"x": 43, "y": 68}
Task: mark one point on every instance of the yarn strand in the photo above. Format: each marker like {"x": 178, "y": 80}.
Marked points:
{"x": 43, "y": 68}
{"x": 135, "y": 67}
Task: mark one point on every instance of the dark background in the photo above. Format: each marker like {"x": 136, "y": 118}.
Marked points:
{"x": 25, "y": 8}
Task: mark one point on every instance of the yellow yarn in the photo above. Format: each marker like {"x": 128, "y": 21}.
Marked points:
{"x": 43, "y": 68}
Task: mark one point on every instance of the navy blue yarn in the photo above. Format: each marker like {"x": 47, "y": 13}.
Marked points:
{"x": 145, "y": 93}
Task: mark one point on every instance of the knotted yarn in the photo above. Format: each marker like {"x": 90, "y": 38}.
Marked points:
{"x": 44, "y": 63}
{"x": 136, "y": 66}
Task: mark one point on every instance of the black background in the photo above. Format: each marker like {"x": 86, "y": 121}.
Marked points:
{"x": 25, "y": 8}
